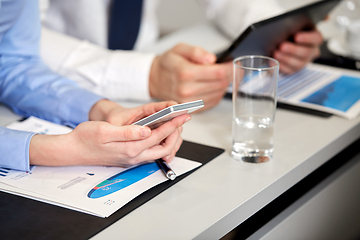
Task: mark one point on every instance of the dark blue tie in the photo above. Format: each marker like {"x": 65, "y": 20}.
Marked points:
{"x": 124, "y": 23}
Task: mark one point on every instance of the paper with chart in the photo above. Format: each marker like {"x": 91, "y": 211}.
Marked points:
{"x": 321, "y": 88}
{"x": 97, "y": 190}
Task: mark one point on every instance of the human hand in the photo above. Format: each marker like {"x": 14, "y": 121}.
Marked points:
{"x": 120, "y": 116}
{"x": 186, "y": 73}
{"x": 293, "y": 56}
{"x": 101, "y": 143}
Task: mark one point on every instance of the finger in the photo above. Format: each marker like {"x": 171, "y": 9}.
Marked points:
{"x": 210, "y": 72}
{"x": 200, "y": 90}
{"x": 157, "y": 151}
{"x": 169, "y": 127}
{"x": 148, "y": 109}
{"x": 210, "y": 98}
{"x": 154, "y": 107}
{"x": 290, "y": 60}
{"x": 212, "y": 101}
{"x": 170, "y": 143}
{"x": 113, "y": 133}
{"x": 194, "y": 54}
{"x": 187, "y": 71}
{"x": 309, "y": 38}
{"x": 162, "y": 132}
{"x": 150, "y": 154}
{"x": 300, "y": 51}
{"x": 175, "y": 149}
{"x": 285, "y": 69}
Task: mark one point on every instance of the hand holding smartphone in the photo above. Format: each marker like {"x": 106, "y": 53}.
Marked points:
{"x": 157, "y": 119}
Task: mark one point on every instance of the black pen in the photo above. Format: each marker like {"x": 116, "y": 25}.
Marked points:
{"x": 165, "y": 168}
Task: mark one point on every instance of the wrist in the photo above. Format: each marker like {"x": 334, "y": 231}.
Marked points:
{"x": 48, "y": 150}
{"x": 154, "y": 75}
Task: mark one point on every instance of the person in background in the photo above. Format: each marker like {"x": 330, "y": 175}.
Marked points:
{"x": 28, "y": 87}
{"x": 100, "y": 45}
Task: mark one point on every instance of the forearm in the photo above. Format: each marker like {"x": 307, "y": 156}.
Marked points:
{"x": 30, "y": 88}
{"x": 114, "y": 74}
{"x": 56, "y": 150}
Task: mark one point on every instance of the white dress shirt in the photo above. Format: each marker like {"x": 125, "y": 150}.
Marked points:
{"x": 74, "y": 41}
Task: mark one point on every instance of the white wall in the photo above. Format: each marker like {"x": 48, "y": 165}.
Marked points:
{"x": 175, "y": 14}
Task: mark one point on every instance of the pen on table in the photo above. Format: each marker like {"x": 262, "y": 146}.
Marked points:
{"x": 165, "y": 168}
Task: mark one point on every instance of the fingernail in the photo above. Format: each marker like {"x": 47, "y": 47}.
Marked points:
{"x": 187, "y": 119}
{"x": 209, "y": 58}
{"x": 167, "y": 158}
{"x": 277, "y": 55}
{"x": 298, "y": 38}
{"x": 145, "y": 132}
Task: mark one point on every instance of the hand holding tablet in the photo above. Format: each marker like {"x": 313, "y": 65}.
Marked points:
{"x": 263, "y": 38}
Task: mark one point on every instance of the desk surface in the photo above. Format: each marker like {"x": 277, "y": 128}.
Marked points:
{"x": 225, "y": 192}
{"x": 212, "y": 201}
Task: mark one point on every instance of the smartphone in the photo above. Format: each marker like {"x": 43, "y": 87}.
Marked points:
{"x": 157, "y": 119}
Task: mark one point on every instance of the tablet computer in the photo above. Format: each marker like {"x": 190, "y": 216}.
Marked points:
{"x": 159, "y": 118}
{"x": 263, "y": 37}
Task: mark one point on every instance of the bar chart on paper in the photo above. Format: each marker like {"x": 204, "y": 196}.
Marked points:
{"x": 96, "y": 190}
{"x": 322, "y": 88}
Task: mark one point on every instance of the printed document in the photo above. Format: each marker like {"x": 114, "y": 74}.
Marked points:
{"x": 322, "y": 88}
{"x": 96, "y": 190}
{"x": 318, "y": 87}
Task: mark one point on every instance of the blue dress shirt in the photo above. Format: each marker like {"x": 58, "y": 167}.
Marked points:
{"x": 27, "y": 86}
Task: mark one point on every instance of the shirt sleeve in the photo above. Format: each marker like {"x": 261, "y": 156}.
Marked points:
{"x": 28, "y": 87}
{"x": 232, "y": 17}
{"x": 14, "y": 147}
{"x": 118, "y": 75}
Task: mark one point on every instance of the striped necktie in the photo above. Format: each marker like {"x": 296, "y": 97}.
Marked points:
{"x": 124, "y": 24}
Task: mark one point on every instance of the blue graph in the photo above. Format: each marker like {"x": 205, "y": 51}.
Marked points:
{"x": 340, "y": 94}
{"x": 122, "y": 180}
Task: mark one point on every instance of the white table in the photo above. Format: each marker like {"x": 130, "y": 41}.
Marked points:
{"x": 222, "y": 194}
{"x": 219, "y": 196}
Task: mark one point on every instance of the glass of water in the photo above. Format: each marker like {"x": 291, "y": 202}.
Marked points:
{"x": 254, "y": 105}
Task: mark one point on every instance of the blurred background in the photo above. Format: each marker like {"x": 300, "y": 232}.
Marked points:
{"x": 171, "y": 13}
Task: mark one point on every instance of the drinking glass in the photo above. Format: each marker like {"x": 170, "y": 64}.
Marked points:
{"x": 254, "y": 105}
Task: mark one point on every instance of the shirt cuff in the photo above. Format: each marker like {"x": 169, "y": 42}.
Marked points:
{"x": 14, "y": 148}
{"x": 118, "y": 75}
